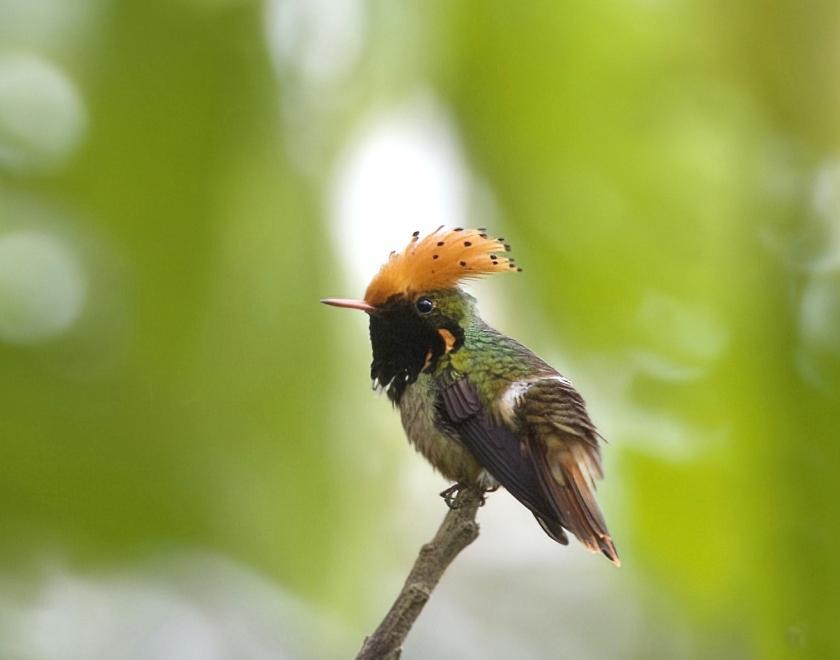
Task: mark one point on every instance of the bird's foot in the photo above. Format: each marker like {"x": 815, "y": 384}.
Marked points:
{"x": 450, "y": 495}
{"x": 484, "y": 493}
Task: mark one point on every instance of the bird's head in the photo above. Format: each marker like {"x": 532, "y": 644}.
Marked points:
{"x": 417, "y": 310}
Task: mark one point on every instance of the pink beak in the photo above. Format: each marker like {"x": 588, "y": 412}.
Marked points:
{"x": 350, "y": 304}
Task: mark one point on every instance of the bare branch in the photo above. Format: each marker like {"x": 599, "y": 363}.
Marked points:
{"x": 456, "y": 532}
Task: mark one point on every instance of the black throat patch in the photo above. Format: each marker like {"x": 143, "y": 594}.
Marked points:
{"x": 405, "y": 343}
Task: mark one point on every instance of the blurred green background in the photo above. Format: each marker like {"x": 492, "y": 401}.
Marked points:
{"x": 191, "y": 461}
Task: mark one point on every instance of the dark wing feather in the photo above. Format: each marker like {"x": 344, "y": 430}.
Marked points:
{"x": 564, "y": 445}
{"x": 499, "y": 451}
{"x": 550, "y": 465}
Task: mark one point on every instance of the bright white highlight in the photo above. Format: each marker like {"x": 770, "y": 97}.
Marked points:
{"x": 403, "y": 171}
{"x": 316, "y": 39}
{"x": 42, "y": 287}
{"x": 42, "y": 116}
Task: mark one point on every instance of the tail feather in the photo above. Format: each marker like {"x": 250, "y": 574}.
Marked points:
{"x": 567, "y": 469}
{"x": 553, "y": 528}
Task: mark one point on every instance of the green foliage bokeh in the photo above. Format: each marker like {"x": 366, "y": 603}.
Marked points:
{"x": 654, "y": 164}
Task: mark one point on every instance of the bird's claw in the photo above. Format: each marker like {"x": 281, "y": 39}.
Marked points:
{"x": 450, "y": 495}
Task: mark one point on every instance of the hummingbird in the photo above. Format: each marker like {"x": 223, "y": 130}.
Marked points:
{"x": 482, "y": 408}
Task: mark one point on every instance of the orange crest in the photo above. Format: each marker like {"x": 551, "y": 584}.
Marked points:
{"x": 438, "y": 261}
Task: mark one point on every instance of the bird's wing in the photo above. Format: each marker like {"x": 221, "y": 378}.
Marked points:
{"x": 563, "y": 445}
{"x": 549, "y": 463}
{"x": 498, "y": 450}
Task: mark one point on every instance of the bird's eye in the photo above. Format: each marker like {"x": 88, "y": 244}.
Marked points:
{"x": 424, "y": 305}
